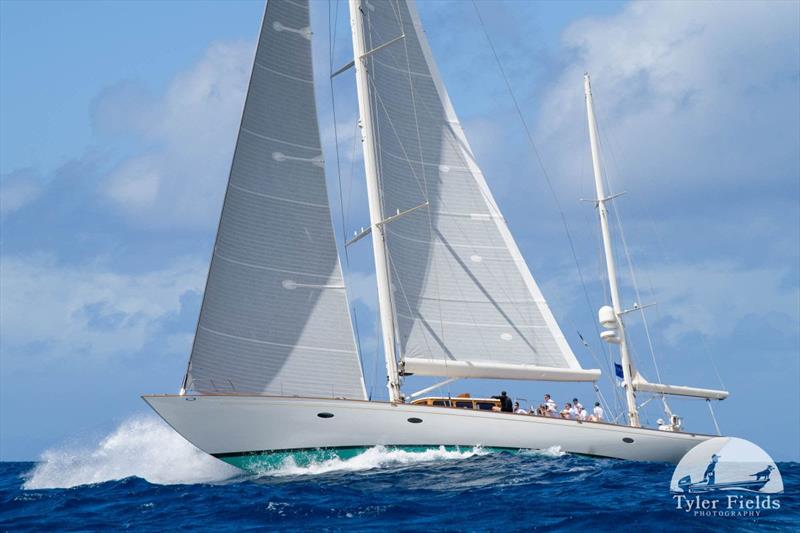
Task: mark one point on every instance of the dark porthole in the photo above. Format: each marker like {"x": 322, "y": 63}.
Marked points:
{"x": 415, "y": 420}
{"x": 325, "y": 415}
{"x": 627, "y": 439}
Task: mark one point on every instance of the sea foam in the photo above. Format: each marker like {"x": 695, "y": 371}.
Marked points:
{"x": 144, "y": 447}
{"x": 147, "y": 448}
{"x": 375, "y": 457}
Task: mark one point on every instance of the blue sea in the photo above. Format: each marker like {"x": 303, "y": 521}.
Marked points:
{"x": 144, "y": 477}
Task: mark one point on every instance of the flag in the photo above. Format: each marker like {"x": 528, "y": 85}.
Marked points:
{"x": 618, "y": 371}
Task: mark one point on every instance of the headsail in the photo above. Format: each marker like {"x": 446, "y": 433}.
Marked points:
{"x": 464, "y": 300}
{"x": 274, "y": 317}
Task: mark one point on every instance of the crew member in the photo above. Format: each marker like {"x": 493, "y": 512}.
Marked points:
{"x": 505, "y": 402}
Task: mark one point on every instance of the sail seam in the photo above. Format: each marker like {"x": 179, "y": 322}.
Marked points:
{"x": 473, "y": 216}
{"x": 258, "y": 341}
{"x": 252, "y": 265}
{"x": 467, "y": 301}
{"x": 279, "y": 73}
{"x": 457, "y": 323}
{"x": 409, "y": 160}
{"x": 279, "y": 198}
{"x": 436, "y": 241}
{"x": 296, "y": 4}
{"x": 404, "y": 71}
{"x": 261, "y": 136}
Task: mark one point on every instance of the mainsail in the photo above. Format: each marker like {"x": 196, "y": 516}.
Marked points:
{"x": 465, "y": 303}
{"x": 274, "y": 317}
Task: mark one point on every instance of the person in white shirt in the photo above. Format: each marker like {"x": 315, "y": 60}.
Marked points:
{"x": 577, "y": 405}
{"x": 567, "y": 412}
{"x": 552, "y": 408}
{"x": 582, "y": 414}
{"x": 662, "y": 426}
{"x": 518, "y": 410}
{"x": 597, "y": 412}
{"x": 573, "y": 412}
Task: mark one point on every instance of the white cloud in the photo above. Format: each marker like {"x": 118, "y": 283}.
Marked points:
{"x": 712, "y": 298}
{"x": 362, "y": 288}
{"x": 18, "y": 189}
{"x": 135, "y": 184}
{"x": 687, "y": 90}
{"x": 697, "y": 103}
{"x": 89, "y": 310}
{"x": 188, "y": 133}
{"x": 708, "y": 297}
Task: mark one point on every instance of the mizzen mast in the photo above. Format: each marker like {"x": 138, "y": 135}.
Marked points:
{"x": 616, "y": 321}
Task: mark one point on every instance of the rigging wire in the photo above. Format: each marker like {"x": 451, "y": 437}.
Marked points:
{"x": 667, "y": 261}
{"x": 421, "y": 184}
{"x": 379, "y": 162}
{"x": 595, "y": 230}
{"x": 333, "y": 19}
{"x": 613, "y": 160}
{"x": 443, "y": 203}
{"x": 430, "y": 209}
{"x": 608, "y": 148}
{"x": 626, "y": 250}
{"x": 461, "y": 154}
{"x": 539, "y": 159}
{"x": 597, "y": 390}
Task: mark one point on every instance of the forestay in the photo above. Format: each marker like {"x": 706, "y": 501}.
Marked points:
{"x": 274, "y": 317}
{"x": 465, "y": 302}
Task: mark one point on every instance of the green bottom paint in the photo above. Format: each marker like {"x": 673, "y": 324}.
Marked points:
{"x": 263, "y": 461}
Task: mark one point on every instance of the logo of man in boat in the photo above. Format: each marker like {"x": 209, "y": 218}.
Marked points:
{"x": 726, "y": 476}
{"x": 709, "y": 484}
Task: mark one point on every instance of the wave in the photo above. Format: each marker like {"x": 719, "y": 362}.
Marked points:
{"x": 552, "y": 451}
{"x": 147, "y": 448}
{"x": 375, "y": 457}
{"x": 144, "y": 447}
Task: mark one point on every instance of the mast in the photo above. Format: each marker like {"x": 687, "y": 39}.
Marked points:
{"x": 382, "y": 274}
{"x": 627, "y": 365}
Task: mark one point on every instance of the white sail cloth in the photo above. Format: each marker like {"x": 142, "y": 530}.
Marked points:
{"x": 460, "y": 287}
{"x": 274, "y": 317}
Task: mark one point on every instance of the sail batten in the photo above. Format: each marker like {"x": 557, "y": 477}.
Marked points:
{"x": 274, "y": 317}
{"x": 460, "y": 289}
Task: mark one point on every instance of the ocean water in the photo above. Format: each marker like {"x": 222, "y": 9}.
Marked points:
{"x": 144, "y": 477}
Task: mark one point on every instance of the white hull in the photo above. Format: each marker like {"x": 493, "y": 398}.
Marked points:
{"x": 232, "y": 427}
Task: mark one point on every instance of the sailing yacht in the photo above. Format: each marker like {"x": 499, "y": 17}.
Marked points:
{"x": 274, "y": 369}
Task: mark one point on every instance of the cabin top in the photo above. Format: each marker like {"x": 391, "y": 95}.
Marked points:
{"x": 460, "y": 402}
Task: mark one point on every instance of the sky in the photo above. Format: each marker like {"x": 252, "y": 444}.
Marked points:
{"x": 118, "y": 121}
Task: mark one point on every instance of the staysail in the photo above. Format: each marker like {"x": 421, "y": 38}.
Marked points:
{"x": 465, "y": 303}
{"x": 274, "y": 317}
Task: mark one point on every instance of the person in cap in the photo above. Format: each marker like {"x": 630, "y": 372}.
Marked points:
{"x": 710, "y": 474}
{"x": 505, "y": 402}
